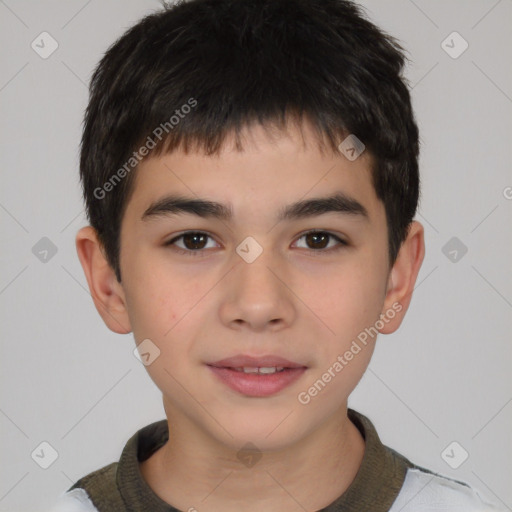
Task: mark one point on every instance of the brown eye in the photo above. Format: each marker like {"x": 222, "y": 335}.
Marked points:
{"x": 191, "y": 243}
{"x": 321, "y": 241}
{"x": 194, "y": 241}
{"x": 317, "y": 240}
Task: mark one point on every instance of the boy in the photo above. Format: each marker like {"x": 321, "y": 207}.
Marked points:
{"x": 250, "y": 174}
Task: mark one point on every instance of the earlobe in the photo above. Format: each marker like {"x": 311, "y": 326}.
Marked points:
{"x": 107, "y": 293}
{"x": 402, "y": 278}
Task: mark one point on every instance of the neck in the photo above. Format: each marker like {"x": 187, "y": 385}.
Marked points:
{"x": 192, "y": 471}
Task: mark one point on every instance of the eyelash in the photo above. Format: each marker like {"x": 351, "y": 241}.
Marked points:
{"x": 199, "y": 252}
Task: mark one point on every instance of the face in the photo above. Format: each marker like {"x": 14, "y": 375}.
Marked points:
{"x": 254, "y": 282}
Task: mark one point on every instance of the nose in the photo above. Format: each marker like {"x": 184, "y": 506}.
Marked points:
{"x": 257, "y": 297}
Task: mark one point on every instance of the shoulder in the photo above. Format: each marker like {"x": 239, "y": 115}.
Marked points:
{"x": 113, "y": 486}
{"x": 103, "y": 477}
{"x": 93, "y": 492}
{"x": 425, "y": 491}
{"x": 75, "y": 500}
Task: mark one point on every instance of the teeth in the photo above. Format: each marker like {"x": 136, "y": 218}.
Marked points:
{"x": 250, "y": 370}
{"x": 268, "y": 370}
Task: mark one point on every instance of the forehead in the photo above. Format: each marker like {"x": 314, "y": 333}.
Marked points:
{"x": 275, "y": 168}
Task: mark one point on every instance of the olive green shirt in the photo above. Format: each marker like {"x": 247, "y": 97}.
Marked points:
{"x": 386, "y": 481}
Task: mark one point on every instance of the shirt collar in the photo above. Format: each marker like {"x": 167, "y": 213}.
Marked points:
{"x": 374, "y": 488}
{"x": 379, "y": 478}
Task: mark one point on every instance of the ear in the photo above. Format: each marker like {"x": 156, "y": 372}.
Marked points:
{"x": 106, "y": 291}
{"x": 402, "y": 278}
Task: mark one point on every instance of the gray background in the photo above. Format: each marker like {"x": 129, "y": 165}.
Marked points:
{"x": 444, "y": 377}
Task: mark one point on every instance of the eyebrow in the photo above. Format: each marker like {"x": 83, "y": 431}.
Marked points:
{"x": 336, "y": 203}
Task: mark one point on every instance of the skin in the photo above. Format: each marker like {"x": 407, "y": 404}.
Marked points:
{"x": 301, "y": 303}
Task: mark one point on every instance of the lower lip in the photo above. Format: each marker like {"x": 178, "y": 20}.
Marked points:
{"x": 261, "y": 385}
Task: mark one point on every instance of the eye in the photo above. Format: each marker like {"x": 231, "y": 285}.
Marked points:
{"x": 318, "y": 241}
{"x": 193, "y": 242}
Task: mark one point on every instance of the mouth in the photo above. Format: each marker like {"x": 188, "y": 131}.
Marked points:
{"x": 257, "y": 376}
{"x": 268, "y": 370}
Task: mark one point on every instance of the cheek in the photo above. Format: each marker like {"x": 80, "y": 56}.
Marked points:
{"x": 170, "y": 309}
{"x": 158, "y": 296}
{"x": 350, "y": 303}
{"x": 161, "y": 307}
{"x": 349, "y": 299}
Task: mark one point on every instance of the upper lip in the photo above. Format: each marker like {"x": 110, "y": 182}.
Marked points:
{"x": 243, "y": 361}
